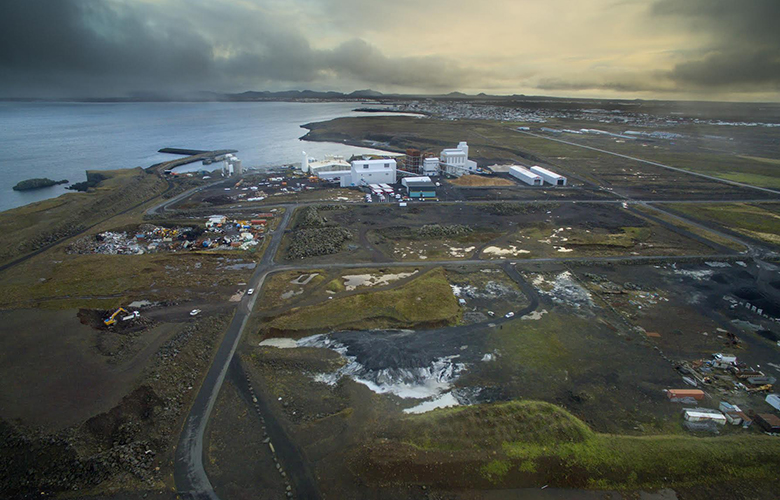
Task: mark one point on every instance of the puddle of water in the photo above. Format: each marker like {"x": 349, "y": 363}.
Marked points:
{"x": 239, "y": 267}
{"x": 512, "y": 250}
{"x": 281, "y": 343}
{"x": 140, "y": 303}
{"x": 535, "y": 315}
{"x": 444, "y": 401}
{"x": 354, "y": 281}
{"x": 291, "y": 293}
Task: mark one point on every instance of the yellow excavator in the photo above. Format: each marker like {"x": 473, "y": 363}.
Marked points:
{"x": 112, "y": 319}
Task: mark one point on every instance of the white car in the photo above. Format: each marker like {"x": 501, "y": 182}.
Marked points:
{"x": 510, "y": 314}
{"x": 250, "y": 291}
{"x": 194, "y": 312}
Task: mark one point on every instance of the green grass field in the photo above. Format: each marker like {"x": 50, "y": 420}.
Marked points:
{"x": 522, "y": 442}
{"x": 424, "y": 300}
{"x": 755, "y": 221}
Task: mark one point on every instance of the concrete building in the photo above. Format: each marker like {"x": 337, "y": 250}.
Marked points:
{"x": 549, "y": 176}
{"x": 365, "y": 172}
{"x": 430, "y": 166}
{"x": 419, "y": 187}
{"x": 456, "y": 161}
{"x": 524, "y": 175}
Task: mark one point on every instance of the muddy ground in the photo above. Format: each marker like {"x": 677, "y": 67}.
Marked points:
{"x": 582, "y": 346}
{"x": 384, "y": 233}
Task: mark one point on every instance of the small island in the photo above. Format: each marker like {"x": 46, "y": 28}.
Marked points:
{"x": 31, "y": 184}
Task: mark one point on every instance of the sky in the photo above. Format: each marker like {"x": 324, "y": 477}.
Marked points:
{"x": 651, "y": 49}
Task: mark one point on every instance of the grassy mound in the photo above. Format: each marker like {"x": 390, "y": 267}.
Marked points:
{"x": 494, "y": 426}
{"x": 427, "y": 300}
{"x": 531, "y": 443}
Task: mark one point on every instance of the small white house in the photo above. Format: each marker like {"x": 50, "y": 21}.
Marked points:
{"x": 525, "y": 175}
{"x": 549, "y": 176}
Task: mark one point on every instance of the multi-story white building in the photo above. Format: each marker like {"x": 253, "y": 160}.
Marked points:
{"x": 456, "y": 161}
{"x": 430, "y": 166}
{"x": 365, "y": 172}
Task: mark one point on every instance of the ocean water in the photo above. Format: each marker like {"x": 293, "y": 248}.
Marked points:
{"x": 63, "y": 140}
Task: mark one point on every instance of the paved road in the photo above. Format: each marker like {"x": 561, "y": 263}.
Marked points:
{"x": 668, "y": 167}
{"x": 189, "y": 473}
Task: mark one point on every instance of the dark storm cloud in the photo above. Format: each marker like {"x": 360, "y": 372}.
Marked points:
{"x": 99, "y": 48}
{"x": 744, "y": 47}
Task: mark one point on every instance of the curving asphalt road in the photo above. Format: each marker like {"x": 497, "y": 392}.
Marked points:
{"x": 189, "y": 473}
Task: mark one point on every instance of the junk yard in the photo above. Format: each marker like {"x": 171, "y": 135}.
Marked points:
{"x": 490, "y": 309}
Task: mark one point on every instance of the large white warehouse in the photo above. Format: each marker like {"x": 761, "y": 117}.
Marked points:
{"x": 549, "y": 176}
{"x": 525, "y": 175}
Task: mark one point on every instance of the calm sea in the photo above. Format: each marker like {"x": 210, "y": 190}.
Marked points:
{"x": 62, "y": 140}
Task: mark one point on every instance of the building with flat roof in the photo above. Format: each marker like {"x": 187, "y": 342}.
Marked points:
{"x": 419, "y": 187}
{"x": 430, "y": 166}
{"x": 365, "y": 172}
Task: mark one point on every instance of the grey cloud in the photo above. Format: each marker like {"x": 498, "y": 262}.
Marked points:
{"x": 743, "y": 52}
{"x": 74, "y": 47}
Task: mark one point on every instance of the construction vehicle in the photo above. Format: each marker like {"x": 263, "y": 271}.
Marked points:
{"x": 112, "y": 319}
{"x": 133, "y": 315}
{"x": 761, "y": 388}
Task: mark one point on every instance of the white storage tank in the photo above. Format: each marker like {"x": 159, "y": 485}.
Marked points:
{"x": 525, "y": 175}
{"x": 549, "y": 176}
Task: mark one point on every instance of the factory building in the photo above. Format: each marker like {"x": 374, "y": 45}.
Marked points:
{"x": 231, "y": 166}
{"x": 419, "y": 187}
{"x": 456, "y": 161}
{"x": 430, "y": 166}
{"x": 329, "y": 164}
{"x": 365, "y": 172}
{"x": 549, "y": 176}
{"x": 525, "y": 175}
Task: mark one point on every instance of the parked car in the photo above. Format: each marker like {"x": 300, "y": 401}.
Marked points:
{"x": 250, "y": 291}
{"x": 194, "y": 312}
{"x": 510, "y": 314}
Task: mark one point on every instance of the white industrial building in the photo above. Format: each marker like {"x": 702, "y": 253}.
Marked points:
{"x": 327, "y": 165}
{"x": 549, "y": 176}
{"x": 525, "y": 175}
{"x": 231, "y": 165}
{"x": 456, "y": 161}
{"x": 430, "y": 166}
{"x": 363, "y": 173}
